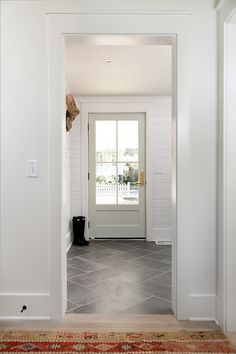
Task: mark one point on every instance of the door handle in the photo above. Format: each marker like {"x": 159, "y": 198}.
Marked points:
{"x": 140, "y": 181}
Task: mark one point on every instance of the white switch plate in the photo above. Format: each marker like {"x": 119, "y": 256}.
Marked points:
{"x": 32, "y": 168}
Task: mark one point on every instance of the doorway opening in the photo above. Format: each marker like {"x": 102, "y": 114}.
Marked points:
{"x": 122, "y": 173}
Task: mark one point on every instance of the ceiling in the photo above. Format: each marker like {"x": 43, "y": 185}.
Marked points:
{"x": 133, "y": 70}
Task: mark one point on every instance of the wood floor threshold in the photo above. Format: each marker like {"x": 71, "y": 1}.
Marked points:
{"x": 121, "y": 323}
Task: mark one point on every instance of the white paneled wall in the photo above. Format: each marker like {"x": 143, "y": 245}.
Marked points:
{"x": 75, "y": 168}
{"x": 161, "y": 168}
{"x": 67, "y": 191}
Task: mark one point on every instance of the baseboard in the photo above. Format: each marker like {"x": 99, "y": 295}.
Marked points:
{"x": 161, "y": 235}
{"x": 38, "y": 306}
{"x": 219, "y": 313}
{"x": 202, "y": 307}
{"x": 69, "y": 240}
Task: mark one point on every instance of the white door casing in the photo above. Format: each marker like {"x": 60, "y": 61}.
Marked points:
{"x": 109, "y": 23}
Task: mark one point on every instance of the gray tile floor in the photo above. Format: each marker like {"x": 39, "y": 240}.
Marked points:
{"x": 119, "y": 277}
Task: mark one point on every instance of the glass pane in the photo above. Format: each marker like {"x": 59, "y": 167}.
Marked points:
{"x": 128, "y": 140}
{"x": 105, "y": 141}
{"x": 106, "y": 183}
{"x": 128, "y": 191}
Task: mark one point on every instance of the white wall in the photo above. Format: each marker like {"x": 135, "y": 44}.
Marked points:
{"x": 160, "y": 169}
{"x": 25, "y": 275}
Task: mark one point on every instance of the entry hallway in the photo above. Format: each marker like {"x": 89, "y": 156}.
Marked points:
{"x": 119, "y": 277}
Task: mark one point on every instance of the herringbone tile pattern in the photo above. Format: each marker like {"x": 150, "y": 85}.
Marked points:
{"x": 119, "y": 277}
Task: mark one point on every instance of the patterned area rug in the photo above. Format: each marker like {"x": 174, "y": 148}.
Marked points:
{"x": 72, "y": 341}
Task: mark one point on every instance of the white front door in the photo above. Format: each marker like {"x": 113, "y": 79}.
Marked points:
{"x": 117, "y": 175}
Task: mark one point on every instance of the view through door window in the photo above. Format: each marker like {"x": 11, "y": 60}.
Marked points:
{"x": 117, "y": 162}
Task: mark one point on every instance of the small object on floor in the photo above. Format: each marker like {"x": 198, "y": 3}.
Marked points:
{"x": 72, "y": 341}
{"x": 78, "y": 230}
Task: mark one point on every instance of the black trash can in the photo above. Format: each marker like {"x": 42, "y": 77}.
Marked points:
{"x": 78, "y": 230}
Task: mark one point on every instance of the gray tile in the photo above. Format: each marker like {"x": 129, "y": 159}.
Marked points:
{"x": 157, "y": 289}
{"x": 113, "y": 262}
{"x": 151, "y": 306}
{"x": 93, "y": 246}
{"x": 76, "y": 252}
{"x": 84, "y": 265}
{"x": 80, "y": 295}
{"x": 164, "y": 278}
{"x": 118, "y": 276}
{"x": 73, "y": 272}
{"x": 117, "y": 298}
{"x": 105, "y": 252}
{"x": 95, "y": 277}
{"x": 167, "y": 260}
{"x": 70, "y": 306}
{"x": 113, "y": 290}
{"x": 134, "y": 253}
{"x": 99, "y": 306}
{"x": 134, "y": 276}
{"x": 120, "y": 246}
{"x": 156, "y": 256}
{"x": 167, "y": 251}
{"x": 145, "y": 262}
{"x": 145, "y": 245}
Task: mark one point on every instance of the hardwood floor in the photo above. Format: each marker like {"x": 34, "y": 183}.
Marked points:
{"x": 113, "y": 322}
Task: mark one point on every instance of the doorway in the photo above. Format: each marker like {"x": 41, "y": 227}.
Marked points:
{"x": 123, "y": 276}
{"x": 121, "y": 31}
{"x": 117, "y": 175}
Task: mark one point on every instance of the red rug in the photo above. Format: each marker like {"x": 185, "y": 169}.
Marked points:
{"x": 72, "y": 341}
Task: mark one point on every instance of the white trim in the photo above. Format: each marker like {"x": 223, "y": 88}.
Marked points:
{"x": 202, "y": 307}
{"x": 162, "y": 234}
{"x": 38, "y": 306}
{"x": 68, "y": 241}
{"x": 115, "y": 24}
{"x": 228, "y": 193}
{"x": 116, "y": 105}
{"x": 225, "y": 15}
{"x": 125, "y": 12}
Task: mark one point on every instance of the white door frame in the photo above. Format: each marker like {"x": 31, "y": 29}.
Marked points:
{"x": 226, "y": 313}
{"x": 156, "y": 24}
{"x": 119, "y": 105}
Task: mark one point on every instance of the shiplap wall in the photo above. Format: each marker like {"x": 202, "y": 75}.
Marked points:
{"x": 67, "y": 192}
{"x": 75, "y": 168}
{"x": 161, "y": 169}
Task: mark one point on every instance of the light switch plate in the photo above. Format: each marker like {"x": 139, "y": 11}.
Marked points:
{"x": 32, "y": 168}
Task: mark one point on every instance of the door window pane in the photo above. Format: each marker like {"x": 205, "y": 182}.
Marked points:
{"x": 105, "y": 141}
{"x": 117, "y": 165}
{"x": 128, "y": 191}
{"x": 128, "y": 140}
{"x": 106, "y": 183}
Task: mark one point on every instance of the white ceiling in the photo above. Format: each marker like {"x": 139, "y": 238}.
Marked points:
{"x": 134, "y": 70}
